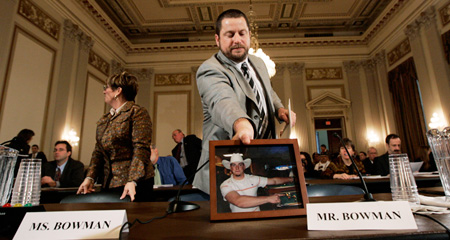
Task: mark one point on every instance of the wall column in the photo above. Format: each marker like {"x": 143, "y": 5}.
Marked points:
{"x": 358, "y": 125}
{"x": 431, "y": 66}
{"x": 298, "y": 104}
{"x": 7, "y": 12}
{"x": 70, "y": 84}
{"x": 374, "y": 121}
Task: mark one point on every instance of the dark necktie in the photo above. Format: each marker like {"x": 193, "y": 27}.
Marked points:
{"x": 178, "y": 155}
{"x": 256, "y": 90}
{"x": 57, "y": 174}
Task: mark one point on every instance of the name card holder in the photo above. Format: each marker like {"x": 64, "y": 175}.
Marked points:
{"x": 392, "y": 215}
{"x": 72, "y": 225}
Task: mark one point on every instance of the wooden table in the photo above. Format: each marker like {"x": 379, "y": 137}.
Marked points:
{"x": 379, "y": 185}
{"x": 196, "y": 224}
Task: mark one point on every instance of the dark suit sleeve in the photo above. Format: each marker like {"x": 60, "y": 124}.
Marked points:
{"x": 42, "y": 156}
{"x": 381, "y": 165}
{"x": 75, "y": 175}
{"x": 48, "y": 170}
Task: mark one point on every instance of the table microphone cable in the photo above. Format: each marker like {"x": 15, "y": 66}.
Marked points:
{"x": 130, "y": 224}
{"x": 177, "y": 198}
{"x": 435, "y": 220}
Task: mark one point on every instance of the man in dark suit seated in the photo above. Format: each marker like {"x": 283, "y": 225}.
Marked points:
{"x": 63, "y": 171}
{"x": 187, "y": 151}
{"x": 35, "y": 153}
{"x": 369, "y": 162}
{"x": 381, "y": 163}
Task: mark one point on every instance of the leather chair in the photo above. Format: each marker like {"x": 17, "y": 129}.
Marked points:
{"x": 201, "y": 196}
{"x": 98, "y": 197}
{"x": 333, "y": 190}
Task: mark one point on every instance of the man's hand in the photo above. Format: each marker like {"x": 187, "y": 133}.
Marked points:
{"x": 273, "y": 198}
{"x": 283, "y": 114}
{"x": 244, "y": 130}
{"x": 48, "y": 180}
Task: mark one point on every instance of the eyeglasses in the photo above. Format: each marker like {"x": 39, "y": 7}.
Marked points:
{"x": 105, "y": 87}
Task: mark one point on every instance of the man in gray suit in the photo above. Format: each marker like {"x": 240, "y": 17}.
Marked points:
{"x": 237, "y": 97}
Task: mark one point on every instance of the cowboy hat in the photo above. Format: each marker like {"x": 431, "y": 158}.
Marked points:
{"x": 236, "y": 158}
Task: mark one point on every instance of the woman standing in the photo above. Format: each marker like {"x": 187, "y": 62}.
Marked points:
{"x": 122, "y": 151}
{"x": 343, "y": 167}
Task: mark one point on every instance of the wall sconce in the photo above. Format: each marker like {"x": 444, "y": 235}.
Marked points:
{"x": 71, "y": 137}
{"x": 436, "y": 122}
{"x": 372, "y": 137}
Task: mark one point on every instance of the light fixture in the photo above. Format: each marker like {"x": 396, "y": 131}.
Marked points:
{"x": 71, "y": 137}
{"x": 254, "y": 44}
{"x": 436, "y": 122}
{"x": 372, "y": 137}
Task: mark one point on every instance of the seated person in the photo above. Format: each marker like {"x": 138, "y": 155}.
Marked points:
{"x": 308, "y": 165}
{"x": 322, "y": 164}
{"x": 343, "y": 167}
{"x": 425, "y": 155}
{"x": 35, "y": 153}
{"x": 369, "y": 161}
{"x": 167, "y": 169}
{"x": 240, "y": 190}
{"x": 381, "y": 163}
{"x": 63, "y": 171}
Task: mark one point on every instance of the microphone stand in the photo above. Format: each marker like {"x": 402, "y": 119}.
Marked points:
{"x": 182, "y": 206}
{"x": 367, "y": 196}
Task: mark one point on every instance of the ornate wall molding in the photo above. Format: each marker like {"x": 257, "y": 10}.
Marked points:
{"x": 39, "y": 18}
{"x": 369, "y": 65}
{"x": 351, "y": 66}
{"x": 380, "y": 58}
{"x": 86, "y": 42}
{"x": 98, "y": 62}
{"x": 427, "y": 17}
{"x": 296, "y": 67}
{"x": 172, "y": 79}
{"x": 328, "y": 113}
{"x": 194, "y": 69}
{"x": 399, "y": 51}
{"x": 412, "y": 30}
{"x": 330, "y": 73}
{"x": 279, "y": 68}
{"x": 444, "y": 12}
{"x": 143, "y": 74}
{"x": 74, "y": 33}
{"x": 116, "y": 67}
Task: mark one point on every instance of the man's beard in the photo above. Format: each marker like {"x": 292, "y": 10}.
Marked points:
{"x": 234, "y": 57}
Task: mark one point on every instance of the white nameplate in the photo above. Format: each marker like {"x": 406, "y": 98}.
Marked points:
{"x": 72, "y": 225}
{"x": 360, "y": 216}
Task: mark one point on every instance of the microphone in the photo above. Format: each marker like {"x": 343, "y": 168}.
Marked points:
{"x": 367, "y": 196}
{"x": 182, "y": 206}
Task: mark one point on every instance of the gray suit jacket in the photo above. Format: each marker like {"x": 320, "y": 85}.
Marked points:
{"x": 227, "y": 96}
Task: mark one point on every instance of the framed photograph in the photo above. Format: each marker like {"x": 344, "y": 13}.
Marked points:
{"x": 261, "y": 180}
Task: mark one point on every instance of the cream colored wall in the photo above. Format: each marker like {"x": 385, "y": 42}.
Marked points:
{"x": 27, "y": 85}
{"x": 93, "y": 110}
{"x": 70, "y": 104}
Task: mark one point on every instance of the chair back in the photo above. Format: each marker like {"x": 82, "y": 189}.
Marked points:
{"x": 98, "y": 197}
{"x": 333, "y": 190}
{"x": 192, "y": 197}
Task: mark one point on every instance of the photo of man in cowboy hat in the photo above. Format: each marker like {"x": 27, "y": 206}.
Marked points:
{"x": 240, "y": 190}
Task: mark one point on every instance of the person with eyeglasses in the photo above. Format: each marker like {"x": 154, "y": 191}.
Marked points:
{"x": 122, "y": 151}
